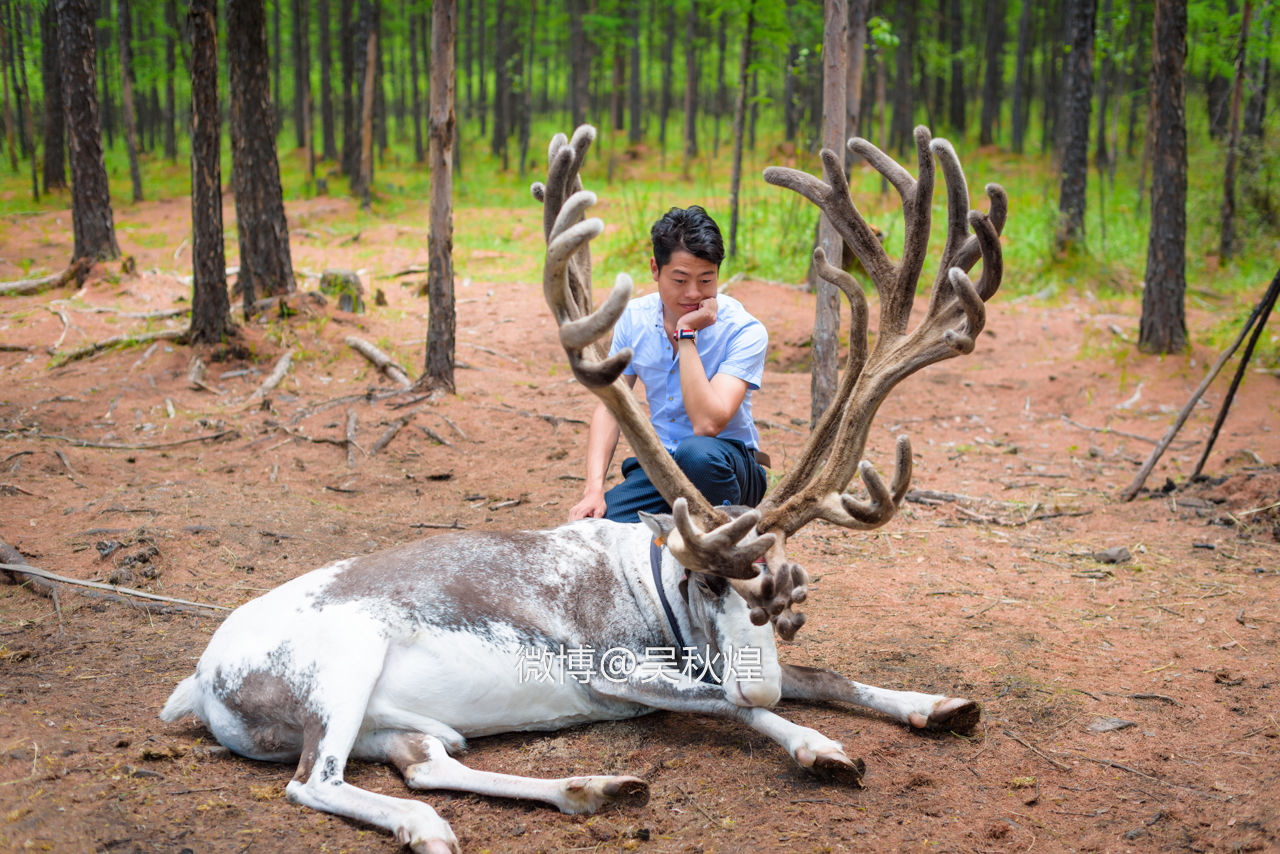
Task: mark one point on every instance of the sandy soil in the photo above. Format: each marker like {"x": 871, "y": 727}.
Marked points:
{"x": 992, "y": 592}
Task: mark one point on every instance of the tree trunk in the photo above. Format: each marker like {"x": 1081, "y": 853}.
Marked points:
{"x": 1077, "y": 90}
{"x": 210, "y": 320}
{"x": 955, "y": 106}
{"x": 1020, "y": 84}
{"x": 993, "y": 79}
{"x": 277, "y": 111}
{"x": 91, "y": 218}
{"x": 1218, "y": 86}
{"x": 440, "y": 328}
{"x": 790, "y": 105}
{"x": 366, "y": 118}
{"x": 301, "y": 71}
{"x": 415, "y": 95}
{"x": 482, "y": 85}
{"x": 171, "y": 73}
{"x": 1105, "y": 84}
{"x": 501, "y": 82}
{"x": 347, "y": 61}
{"x": 636, "y": 131}
{"x": 1227, "y": 240}
{"x": 124, "y": 37}
{"x": 668, "y": 61}
{"x": 1163, "y": 328}
{"x": 900, "y": 131}
{"x": 579, "y": 63}
{"x": 855, "y": 68}
{"x": 55, "y": 145}
{"x": 324, "y": 24}
{"x": 739, "y": 119}
{"x": 266, "y": 266}
{"x": 826, "y": 325}
{"x": 525, "y": 87}
{"x": 102, "y": 41}
{"x": 616, "y": 102}
{"x": 379, "y": 87}
{"x": 1052, "y": 56}
{"x": 722, "y": 50}
{"x": 690, "y": 85}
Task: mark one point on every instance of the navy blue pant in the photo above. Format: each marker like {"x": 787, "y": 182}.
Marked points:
{"x": 724, "y": 470}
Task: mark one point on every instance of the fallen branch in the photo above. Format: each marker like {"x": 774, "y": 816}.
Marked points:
{"x": 1061, "y": 766}
{"x": 71, "y": 473}
{"x": 435, "y": 437}
{"x": 389, "y": 434}
{"x": 380, "y": 360}
{"x": 15, "y": 567}
{"x": 273, "y": 379}
{"x": 1261, "y": 309}
{"x": 1115, "y": 432}
{"x": 77, "y": 270}
{"x": 116, "y": 341}
{"x": 122, "y": 446}
{"x": 351, "y": 438}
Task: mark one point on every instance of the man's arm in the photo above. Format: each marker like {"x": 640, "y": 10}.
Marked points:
{"x": 602, "y": 440}
{"x": 710, "y": 403}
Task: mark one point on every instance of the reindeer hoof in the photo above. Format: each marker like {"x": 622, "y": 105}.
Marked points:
{"x": 628, "y": 791}
{"x": 954, "y": 714}
{"x": 840, "y": 769}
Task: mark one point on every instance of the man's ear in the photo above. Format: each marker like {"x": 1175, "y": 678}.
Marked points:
{"x": 653, "y": 267}
{"x": 660, "y": 524}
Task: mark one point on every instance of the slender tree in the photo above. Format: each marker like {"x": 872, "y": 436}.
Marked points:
{"x": 91, "y": 217}
{"x": 1077, "y": 96}
{"x": 124, "y": 36}
{"x": 266, "y": 265}
{"x": 636, "y": 130}
{"x": 579, "y": 63}
{"x": 826, "y": 324}
{"x": 55, "y": 146}
{"x": 441, "y": 322}
{"x": 171, "y": 73}
{"x": 414, "y": 91}
{"x": 854, "y": 69}
{"x": 1021, "y": 87}
{"x": 324, "y": 25}
{"x": 210, "y": 320}
{"x": 690, "y": 85}
{"x": 739, "y": 117}
{"x": 903, "y": 120}
{"x": 956, "y": 103}
{"x": 1227, "y": 237}
{"x": 301, "y": 72}
{"x": 993, "y": 76}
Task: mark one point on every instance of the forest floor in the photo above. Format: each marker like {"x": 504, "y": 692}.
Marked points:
{"x": 1126, "y": 706}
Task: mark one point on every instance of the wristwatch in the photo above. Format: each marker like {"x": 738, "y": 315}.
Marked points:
{"x": 687, "y": 335}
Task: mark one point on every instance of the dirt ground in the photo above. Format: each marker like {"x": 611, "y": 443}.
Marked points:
{"x": 1127, "y": 706}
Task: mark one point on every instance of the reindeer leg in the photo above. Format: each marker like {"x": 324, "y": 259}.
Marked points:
{"x": 425, "y": 763}
{"x": 674, "y": 692}
{"x": 933, "y": 712}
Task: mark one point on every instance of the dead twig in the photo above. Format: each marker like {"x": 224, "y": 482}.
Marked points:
{"x": 1114, "y": 432}
{"x": 66, "y": 464}
{"x": 452, "y": 526}
{"x": 1061, "y": 766}
{"x": 273, "y": 379}
{"x": 116, "y": 341}
{"x": 380, "y": 360}
{"x": 435, "y": 437}
{"x": 351, "y": 439}
{"x": 389, "y": 434}
{"x": 122, "y": 446}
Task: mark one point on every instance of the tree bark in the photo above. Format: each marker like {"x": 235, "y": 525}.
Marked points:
{"x": 826, "y": 325}
{"x": 124, "y": 37}
{"x": 55, "y": 145}
{"x": 579, "y": 63}
{"x": 1163, "y": 328}
{"x": 1105, "y": 85}
{"x": 739, "y": 119}
{"x": 1227, "y": 239}
{"x": 1020, "y": 84}
{"x": 636, "y": 130}
{"x": 415, "y": 93}
{"x": 855, "y": 68}
{"x": 955, "y": 108}
{"x": 366, "y": 118}
{"x": 91, "y": 217}
{"x": 170, "y": 80}
{"x": 501, "y": 82}
{"x": 102, "y": 41}
{"x": 210, "y": 318}
{"x": 690, "y": 85}
{"x": 668, "y": 72}
{"x": 900, "y": 131}
{"x": 1077, "y": 96}
{"x": 301, "y": 71}
{"x": 266, "y": 266}
{"x": 347, "y": 63}
{"x": 993, "y": 79}
{"x": 441, "y": 320}
{"x": 323, "y": 29}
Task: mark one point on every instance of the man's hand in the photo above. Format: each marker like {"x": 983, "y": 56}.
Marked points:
{"x": 590, "y": 507}
{"x": 701, "y": 317}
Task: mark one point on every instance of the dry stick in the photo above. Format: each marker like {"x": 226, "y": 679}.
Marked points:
{"x": 381, "y": 361}
{"x": 120, "y": 592}
{"x": 386, "y": 437}
{"x": 66, "y": 324}
{"x": 434, "y": 436}
{"x": 273, "y": 379}
{"x": 1061, "y": 766}
{"x": 1113, "y": 432}
{"x": 1262, "y": 311}
{"x": 15, "y": 348}
{"x": 98, "y": 346}
{"x": 454, "y": 427}
{"x": 351, "y": 438}
{"x": 1132, "y": 489}
{"x": 71, "y": 473}
{"x": 121, "y": 446}
{"x": 77, "y": 271}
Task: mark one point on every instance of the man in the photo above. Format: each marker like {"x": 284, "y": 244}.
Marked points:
{"x": 699, "y": 356}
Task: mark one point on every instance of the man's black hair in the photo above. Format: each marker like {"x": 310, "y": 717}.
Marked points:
{"x": 691, "y": 229}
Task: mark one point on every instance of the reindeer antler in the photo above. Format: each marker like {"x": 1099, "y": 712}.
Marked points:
{"x": 815, "y": 488}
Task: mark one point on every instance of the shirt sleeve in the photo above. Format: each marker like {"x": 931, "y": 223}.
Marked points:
{"x": 744, "y": 358}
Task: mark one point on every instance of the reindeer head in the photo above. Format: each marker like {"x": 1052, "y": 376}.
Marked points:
{"x": 748, "y": 551}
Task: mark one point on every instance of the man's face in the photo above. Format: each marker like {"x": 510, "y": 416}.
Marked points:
{"x": 684, "y": 283}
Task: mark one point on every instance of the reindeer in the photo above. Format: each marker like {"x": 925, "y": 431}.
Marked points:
{"x": 402, "y": 655}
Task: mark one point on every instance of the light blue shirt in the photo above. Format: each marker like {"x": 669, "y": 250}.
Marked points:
{"x": 735, "y": 345}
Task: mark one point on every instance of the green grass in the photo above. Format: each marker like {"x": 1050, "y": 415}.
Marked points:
{"x": 497, "y": 233}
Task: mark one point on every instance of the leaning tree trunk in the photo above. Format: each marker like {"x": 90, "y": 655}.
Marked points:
{"x": 440, "y": 327}
{"x": 826, "y": 324}
{"x": 124, "y": 37}
{"x": 55, "y": 146}
{"x": 210, "y": 320}
{"x": 739, "y": 119}
{"x": 265, "y": 262}
{"x": 1163, "y": 328}
{"x": 1077, "y": 90}
{"x": 91, "y": 218}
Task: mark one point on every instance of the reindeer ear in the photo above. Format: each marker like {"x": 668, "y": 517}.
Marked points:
{"x": 660, "y": 523}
